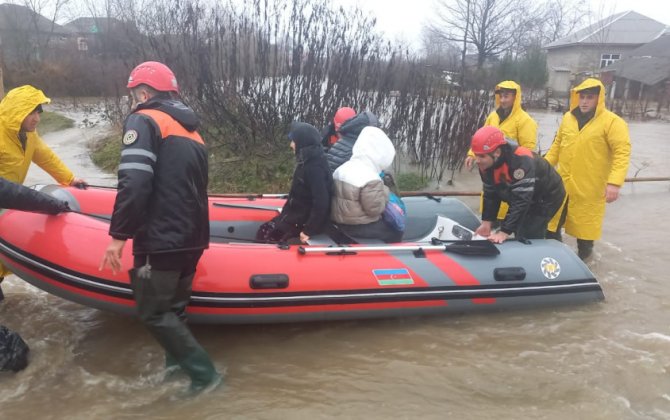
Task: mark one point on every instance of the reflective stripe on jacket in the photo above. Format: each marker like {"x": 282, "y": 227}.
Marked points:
{"x": 162, "y": 194}
{"x": 525, "y": 181}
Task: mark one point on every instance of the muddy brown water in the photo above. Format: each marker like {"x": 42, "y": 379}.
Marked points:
{"x": 609, "y": 360}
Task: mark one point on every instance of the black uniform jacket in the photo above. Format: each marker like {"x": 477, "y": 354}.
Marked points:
{"x": 162, "y": 193}
{"x": 524, "y": 180}
{"x": 16, "y": 196}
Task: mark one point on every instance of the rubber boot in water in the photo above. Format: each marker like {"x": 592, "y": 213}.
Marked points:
{"x": 584, "y": 248}
{"x": 172, "y": 367}
{"x": 204, "y": 377}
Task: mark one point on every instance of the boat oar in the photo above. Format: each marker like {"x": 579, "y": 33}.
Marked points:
{"x": 472, "y": 248}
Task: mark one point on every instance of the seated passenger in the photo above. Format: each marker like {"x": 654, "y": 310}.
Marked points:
{"x": 307, "y": 208}
{"x": 360, "y": 194}
{"x": 340, "y": 152}
{"x": 331, "y": 133}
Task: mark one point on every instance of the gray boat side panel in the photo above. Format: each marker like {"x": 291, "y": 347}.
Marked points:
{"x": 452, "y": 308}
{"x": 428, "y": 271}
{"x": 530, "y": 258}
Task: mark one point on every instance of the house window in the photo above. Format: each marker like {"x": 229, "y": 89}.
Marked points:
{"x": 82, "y": 45}
{"x": 607, "y": 59}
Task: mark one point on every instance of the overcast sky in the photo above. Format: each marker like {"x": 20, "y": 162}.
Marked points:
{"x": 403, "y": 19}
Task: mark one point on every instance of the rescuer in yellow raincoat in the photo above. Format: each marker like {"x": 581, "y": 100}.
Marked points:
{"x": 591, "y": 152}
{"x": 513, "y": 121}
{"x": 20, "y": 144}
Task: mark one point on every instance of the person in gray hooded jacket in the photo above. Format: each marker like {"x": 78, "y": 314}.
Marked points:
{"x": 340, "y": 152}
{"x": 360, "y": 193}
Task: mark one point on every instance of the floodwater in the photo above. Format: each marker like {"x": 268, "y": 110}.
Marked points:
{"x": 608, "y": 360}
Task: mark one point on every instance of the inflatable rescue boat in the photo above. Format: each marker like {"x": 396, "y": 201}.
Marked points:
{"x": 438, "y": 269}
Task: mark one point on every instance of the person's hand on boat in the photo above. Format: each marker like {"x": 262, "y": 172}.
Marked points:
{"x": 79, "y": 183}
{"x": 112, "y": 255}
{"x": 611, "y": 193}
{"x": 498, "y": 237}
{"x": 303, "y": 237}
{"x": 59, "y": 206}
{"x": 484, "y": 229}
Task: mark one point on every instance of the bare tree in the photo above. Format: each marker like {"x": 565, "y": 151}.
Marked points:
{"x": 52, "y": 9}
{"x": 561, "y": 18}
{"x": 438, "y": 52}
{"x": 487, "y": 25}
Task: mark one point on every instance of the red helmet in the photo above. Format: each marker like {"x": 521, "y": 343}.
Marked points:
{"x": 154, "y": 74}
{"x": 342, "y": 115}
{"x": 486, "y": 140}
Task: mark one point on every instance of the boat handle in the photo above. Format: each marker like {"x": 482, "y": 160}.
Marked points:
{"x": 268, "y": 281}
{"x": 509, "y": 274}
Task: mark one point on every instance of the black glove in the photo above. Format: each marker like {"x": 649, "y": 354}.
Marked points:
{"x": 57, "y": 206}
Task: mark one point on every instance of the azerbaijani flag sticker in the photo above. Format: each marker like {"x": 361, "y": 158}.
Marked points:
{"x": 392, "y": 276}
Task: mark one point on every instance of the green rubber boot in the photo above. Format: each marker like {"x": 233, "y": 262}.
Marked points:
{"x": 204, "y": 377}
{"x": 172, "y": 367}
{"x": 584, "y": 249}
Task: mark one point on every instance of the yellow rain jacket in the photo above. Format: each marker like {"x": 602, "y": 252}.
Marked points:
{"x": 518, "y": 126}
{"x": 14, "y": 160}
{"x": 588, "y": 160}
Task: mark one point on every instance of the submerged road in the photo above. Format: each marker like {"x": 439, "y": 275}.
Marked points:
{"x": 603, "y": 361}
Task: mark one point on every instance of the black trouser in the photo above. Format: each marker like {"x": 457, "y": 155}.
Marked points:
{"x": 162, "y": 294}
{"x": 584, "y": 246}
{"x": 534, "y": 223}
{"x": 2, "y": 295}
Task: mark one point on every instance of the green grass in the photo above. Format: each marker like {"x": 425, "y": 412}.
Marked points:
{"x": 258, "y": 172}
{"x": 410, "y": 182}
{"x": 106, "y": 152}
{"x": 51, "y": 121}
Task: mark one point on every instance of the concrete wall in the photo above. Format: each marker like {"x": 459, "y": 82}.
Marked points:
{"x": 578, "y": 59}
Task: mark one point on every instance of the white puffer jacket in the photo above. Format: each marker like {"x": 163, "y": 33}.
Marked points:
{"x": 360, "y": 194}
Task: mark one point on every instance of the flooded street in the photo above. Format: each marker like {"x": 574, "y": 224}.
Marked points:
{"x": 609, "y": 360}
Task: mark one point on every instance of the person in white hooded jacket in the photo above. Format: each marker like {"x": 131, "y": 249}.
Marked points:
{"x": 360, "y": 194}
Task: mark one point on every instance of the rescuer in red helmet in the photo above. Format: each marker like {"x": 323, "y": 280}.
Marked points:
{"x": 522, "y": 179}
{"x": 162, "y": 205}
{"x": 331, "y": 133}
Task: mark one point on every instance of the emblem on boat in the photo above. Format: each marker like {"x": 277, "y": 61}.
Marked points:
{"x": 393, "y": 276}
{"x": 550, "y": 268}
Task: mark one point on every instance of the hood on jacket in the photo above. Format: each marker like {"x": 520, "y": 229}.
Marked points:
{"x": 374, "y": 146}
{"x": 304, "y": 135}
{"x": 174, "y": 108}
{"x": 352, "y": 127}
{"x": 586, "y": 84}
{"x": 18, "y": 104}
{"x": 509, "y": 84}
